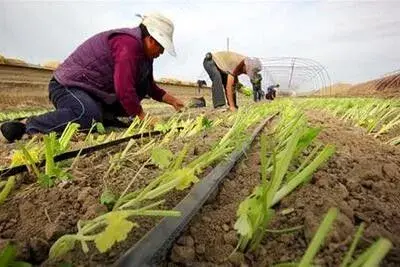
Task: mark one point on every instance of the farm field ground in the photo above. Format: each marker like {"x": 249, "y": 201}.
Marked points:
{"x": 360, "y": 178}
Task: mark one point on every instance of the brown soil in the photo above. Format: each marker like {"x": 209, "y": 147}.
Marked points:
{"x": 34, "y": 217}
{"x": 26, "y": 87}
{"x": 361, "y": 179}
{"x": 386, "y": 87}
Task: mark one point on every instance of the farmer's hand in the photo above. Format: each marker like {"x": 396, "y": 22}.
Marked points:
{"x": 232, "y": 108}
{"x": 178, "y": 104}
{"x": 173, "y": 101}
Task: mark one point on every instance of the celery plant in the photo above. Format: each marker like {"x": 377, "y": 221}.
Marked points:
{"x": 52, "y": 147}
{"x": 370, "y": 257}
{"x": 113, "y": 227}
{"x": 377, "y": 116}
{"x": 6, "y": 188}
{"x": 287, "y": 141}
{"x": 8, "y": 255}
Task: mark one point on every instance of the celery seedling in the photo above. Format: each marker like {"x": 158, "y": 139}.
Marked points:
{"x": 319, "y": 237}
{"x": 353, "y": 246}
{"x": 374, "y": 254}
{"x": 6, "y": 189}
{"x": 292, "y": 137}
{"x": 8, "y": 255}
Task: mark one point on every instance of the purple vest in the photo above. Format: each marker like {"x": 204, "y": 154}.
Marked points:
{"x": 91, "y": 66}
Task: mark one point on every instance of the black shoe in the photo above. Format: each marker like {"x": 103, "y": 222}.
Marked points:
{"x": 11, "y": 131}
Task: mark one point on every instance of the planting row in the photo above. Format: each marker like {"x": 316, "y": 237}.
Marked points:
{"x": 289, "y": 157}
{"x": 123, "y": 190}
{"x": 289, "y": 154}
{"x": 380, "y": 117}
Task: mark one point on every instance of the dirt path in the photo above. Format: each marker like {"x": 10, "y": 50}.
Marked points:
{"x": 361, "y": 179}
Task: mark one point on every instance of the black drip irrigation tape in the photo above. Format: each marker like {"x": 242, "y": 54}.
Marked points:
{"x": 4, "y": 173}
{"x": 153, "y": 247}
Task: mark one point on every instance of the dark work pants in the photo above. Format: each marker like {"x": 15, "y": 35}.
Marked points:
{"x": 257, "y": 95}
{"x": 219, "y": 80}
{"x": 270, "y": 95}
{"x": 72, "y": 105}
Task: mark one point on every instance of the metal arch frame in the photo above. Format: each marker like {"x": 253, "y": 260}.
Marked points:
{"x": 297, "y": 72}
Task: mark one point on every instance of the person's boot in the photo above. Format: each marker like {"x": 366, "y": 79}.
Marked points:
{"x": 11, "y": 131}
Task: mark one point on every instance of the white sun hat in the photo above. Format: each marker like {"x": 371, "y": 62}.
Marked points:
{"x": 162, "y": 29}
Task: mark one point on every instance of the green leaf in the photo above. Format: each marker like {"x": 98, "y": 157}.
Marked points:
{"x": 116, "y": 231}
{"x": 63, "y": 245}
{"x": 7, "y": 255}
{"x": 286, "y": 264}
{"x": 100, "y": 128}
{"x": 243, "y": 226}
{"x": 186, "y": 177}
{"x": 162, "y": 127}
{"x": 108, "y": 198}
{"x": 207, "y": 123}
{"x": 20, "y": 264}
{"x": 306, "y": 139}
{"x": 248, "y": 214}
{"x": 45, "y": 180}
{"x": 161, "y": 157}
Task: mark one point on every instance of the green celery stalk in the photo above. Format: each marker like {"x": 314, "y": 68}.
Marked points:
{"x": 181, "y": 156}
{"x": 319, "y": 237}
{"x": 7, "y": 189}
{"x": 131, "y": 129}
{"x": 49, "y": 153}
{"x": 263, "y": 159}
{"x": 353, "y": 246}
{"x": 30, "y": 160}
{"x": 306, "y": 161}
{"x": 66, "y": 136}
{"x": 382, "y": 248}
{"x": 374, "y": 254}
{"x": 388, "y": 126}
{"x": 324, "y": 155}
{"x": 282, "y": 166}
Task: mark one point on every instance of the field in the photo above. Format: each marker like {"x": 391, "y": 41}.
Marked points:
{"x": 387, "y": 87}
{"x": 318, "y": 186}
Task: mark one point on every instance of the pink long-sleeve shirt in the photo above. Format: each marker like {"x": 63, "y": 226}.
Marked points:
{"x": 125, "y": 50}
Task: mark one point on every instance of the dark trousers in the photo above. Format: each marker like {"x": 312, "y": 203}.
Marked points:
{"x": 270, "y": 95}
{"x": 219, "y": 80}
{"x": 72, "y": 105}
{"x": 257, "y": 95}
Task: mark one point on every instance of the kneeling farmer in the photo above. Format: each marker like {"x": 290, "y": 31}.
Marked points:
{"x": 107, "y": 76}
{"x": 224, "y": 68}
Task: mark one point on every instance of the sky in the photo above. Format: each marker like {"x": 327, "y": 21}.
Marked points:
{"x": 354, "y": 40}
